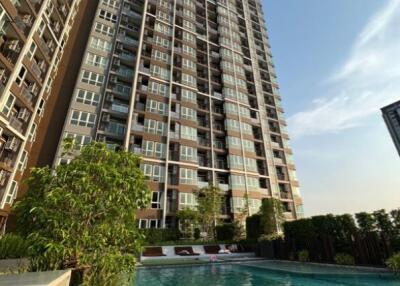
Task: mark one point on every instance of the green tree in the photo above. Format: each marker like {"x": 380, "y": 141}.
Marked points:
{"x": 271, "y": 219}
{"x": 188, "y": 220}
{"x": 395, "y": 214}
{"x": 82, "y": 214}
{"x": 209, "y": 206}
{"x": 383, "y": 222}
{"x": 366, "y": 222}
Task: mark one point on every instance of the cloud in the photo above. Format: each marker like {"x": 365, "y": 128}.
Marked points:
{"x": 366, "y": 81}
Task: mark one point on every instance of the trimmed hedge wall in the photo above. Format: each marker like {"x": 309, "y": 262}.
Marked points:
{"x": 158, "y": 235}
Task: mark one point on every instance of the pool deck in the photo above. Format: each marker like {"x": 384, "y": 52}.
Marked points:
{"x": 169, "y": 252}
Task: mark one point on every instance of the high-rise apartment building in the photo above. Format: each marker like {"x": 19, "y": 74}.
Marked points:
{"x": 33, "y": 35}
{"x": 391, "y": 115}
{"x": 190, "y": 86}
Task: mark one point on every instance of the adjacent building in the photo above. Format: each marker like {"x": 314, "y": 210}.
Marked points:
{"x": 391, "y": 115}
{"x": 190, "y": 86}
{"x": 33, "y": 34}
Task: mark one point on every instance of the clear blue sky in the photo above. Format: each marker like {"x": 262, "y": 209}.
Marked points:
{"x": 338, "y": 62}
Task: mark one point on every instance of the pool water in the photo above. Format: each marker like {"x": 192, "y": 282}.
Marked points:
{"x": 260, "y": 274}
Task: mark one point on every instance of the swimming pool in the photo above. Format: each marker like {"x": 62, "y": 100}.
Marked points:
{"x": 262, "y": 273}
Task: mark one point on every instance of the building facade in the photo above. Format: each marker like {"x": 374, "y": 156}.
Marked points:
{"x": 190, "y": 86}
{"x": 33, "y": 34}
{"x": 391, "y": 115}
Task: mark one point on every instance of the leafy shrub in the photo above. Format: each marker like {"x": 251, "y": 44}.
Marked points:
{"x": 253, "y": 230}
{"x": 197, "y": 233}
{"x": 394, "y": 262}
{"x": 225, "y": 231}
{"x": 344, "y": 259}
{"x": 12, "y": 246}
{"x": 158, "y": 235}
{"x": 270, "y": 237}
{"x": 304, "y": 256}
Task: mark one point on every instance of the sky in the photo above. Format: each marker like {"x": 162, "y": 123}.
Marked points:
{"x": 338, "y": 63}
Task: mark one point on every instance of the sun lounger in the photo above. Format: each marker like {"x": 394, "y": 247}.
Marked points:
{"x": 185, "y": 251}
{"x": 153, "y": 251}
{"x": 212, "y": 249}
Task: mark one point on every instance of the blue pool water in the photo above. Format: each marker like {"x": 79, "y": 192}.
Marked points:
{"x": 261, "y": 274}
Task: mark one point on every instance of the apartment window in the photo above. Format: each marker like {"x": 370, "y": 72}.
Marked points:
{"x": 236, "y": 162}
{"x": 23, "y": 161}
{"x": 187, "y": 200}
{"x": 41, "y": 28}
{"x": 162, "y": 28}
{"x": 187, "y": 176}
{"x": 158, "y": 88}
{"x": 232, "y": 124}
{"x": 238, "y": 204}
{"x": 244, "y": 112}
{"x": 8, "y": 105}
{"x": 189, "y": 37}
{"x": 164, "y": 16}
{"x": 188, "y": 13}
{"x": 82, "y": 118}
{"x": 32, "y": 50}
{"x": 254, "y": 205}
{"x": 237, "y": 181}
{"x": 100, "y": 44}
{"x": 153, "y": 149}
{"x": 21, "y": 76}
{"x": 108, "y": 16}
{"x": 188, "y": 25}
{"x": 87, "y": 97}
{"x": 189, "y": 50}
{"x": 104, "y": 29}
{"x": 155, "y": 200}
{"x": 188, "y": 64}
{"x": 234, "y": 142}
{"x": 153, "y": 172}
{"x": 189, "y": 80}
{"x": 111, "y": 3}
{"x": 249, "y": 145}
{"x": 155, "y": 106}
{"x": 160, "y": 72}
{"x": 160, "y": 56}
{"x": 253, "y": 183}
{"x": 251, "y": 164}
{"x": 188, "y": 113}
{"x": 92, "y": 78}
{"x": 165, "y": 4}
{"x": 154, "y": 126}
{"x": 96, "y": 60}
{"x": 231, "y": 108}
{"x": 40, "y": 109}
{"x": 79, "y": 140}
{"x": 188, "y": 153}
{"x": 162, "y": 42}
{"x": 189, "y": 96}
{"x": 246, "y": 128}
{"x": 32, "y": 133}
{"x": 12, "y": 193}
{"x": 188, "y": 133}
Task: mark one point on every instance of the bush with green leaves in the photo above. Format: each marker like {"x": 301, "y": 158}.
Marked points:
{"x": 229, "y": 231}
{"x": 154, "y": 236}
{"x": 13, "y": 246}
{"x": 304, "y": 255}
{"x": 344, "y": 259}
{"x": 393, "y": 263}
{"x": 82, "y": 214}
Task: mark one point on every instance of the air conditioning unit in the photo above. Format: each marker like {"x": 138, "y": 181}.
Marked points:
{"x": 12, "y": 144}
{"x": 24, "y": 114}
{"x": 106, "y": 118}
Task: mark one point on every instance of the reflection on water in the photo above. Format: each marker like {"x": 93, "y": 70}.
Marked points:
{"x": 231, "y": 275}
